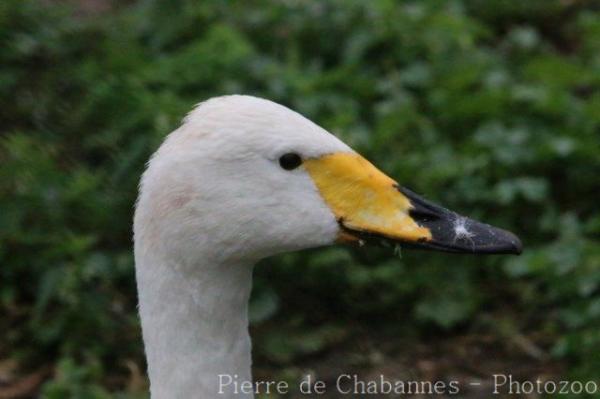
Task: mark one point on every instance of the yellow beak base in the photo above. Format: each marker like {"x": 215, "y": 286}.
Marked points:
{"x": 364, "y": 199}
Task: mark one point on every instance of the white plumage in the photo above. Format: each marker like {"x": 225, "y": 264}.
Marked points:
{"x": 212, "y": 202}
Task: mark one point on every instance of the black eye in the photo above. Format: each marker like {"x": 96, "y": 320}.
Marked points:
{"x": 290, "y": 161}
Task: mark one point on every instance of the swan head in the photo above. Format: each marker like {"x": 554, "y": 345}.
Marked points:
{"x": 249, "y": 178}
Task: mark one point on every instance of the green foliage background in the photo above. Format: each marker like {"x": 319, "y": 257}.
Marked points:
{"x": 490, "y": 107}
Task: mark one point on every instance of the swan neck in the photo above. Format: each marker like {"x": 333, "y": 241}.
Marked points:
{"x": 195, "y": 326}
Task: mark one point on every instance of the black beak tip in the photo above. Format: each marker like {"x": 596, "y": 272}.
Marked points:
{"x": 493, "y": 240}
{"x": 452, "y": 232}
{"x": 515, "y": 246}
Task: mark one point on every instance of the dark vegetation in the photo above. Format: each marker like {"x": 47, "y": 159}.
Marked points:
{"x": 490, "y": 107}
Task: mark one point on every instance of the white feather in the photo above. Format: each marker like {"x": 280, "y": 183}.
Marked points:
{"x": 212, "y": 202}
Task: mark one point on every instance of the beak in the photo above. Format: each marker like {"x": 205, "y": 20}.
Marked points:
{"x": 370, "y": 206}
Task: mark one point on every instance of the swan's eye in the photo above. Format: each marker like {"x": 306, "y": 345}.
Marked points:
{"x": 290, "y": 161}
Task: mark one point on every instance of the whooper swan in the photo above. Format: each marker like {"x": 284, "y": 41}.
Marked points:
{"x": 242, "y": 179}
